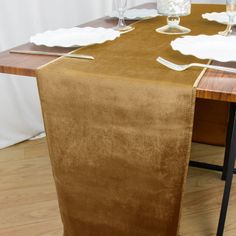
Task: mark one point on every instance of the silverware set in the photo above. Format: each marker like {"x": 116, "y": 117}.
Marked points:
{"x": 161, "y": 60}
{"x": 121, "y": 5}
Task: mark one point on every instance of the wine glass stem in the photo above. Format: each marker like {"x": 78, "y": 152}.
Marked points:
{"x": 173, "y": 21}
{"x": 230, "y": 25}
{"x": 121, "y": 22}
{"x": 229, "y": 29}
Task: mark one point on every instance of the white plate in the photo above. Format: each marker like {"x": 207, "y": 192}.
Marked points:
{"x": 74, "y": 37}
{"x": 220, "y": 17}
{"x": 136, "y": 14}
{"x": 215, "y": 47}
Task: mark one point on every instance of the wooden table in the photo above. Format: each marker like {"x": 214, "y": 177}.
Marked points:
{"x": 215, "y": 85}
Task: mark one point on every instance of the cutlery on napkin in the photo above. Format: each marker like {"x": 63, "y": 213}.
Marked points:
{"x": 176, "y": 67}
{"x": 78, "y": 56}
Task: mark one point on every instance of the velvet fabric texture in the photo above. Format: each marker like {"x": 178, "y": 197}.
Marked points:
{"x": 119, "y": 132}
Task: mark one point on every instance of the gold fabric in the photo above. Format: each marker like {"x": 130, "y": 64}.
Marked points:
{"x": 119, "y": 132}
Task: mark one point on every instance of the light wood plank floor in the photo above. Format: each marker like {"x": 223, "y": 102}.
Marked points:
{"x": 28, "y": 202}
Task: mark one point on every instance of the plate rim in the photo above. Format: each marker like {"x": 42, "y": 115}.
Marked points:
{"x": 215, "y": 20}
{"x": 35, "y": 42}
{"x": 220, "y": 59}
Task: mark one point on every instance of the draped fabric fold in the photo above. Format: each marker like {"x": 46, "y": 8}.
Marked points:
{"x": 119, "y": 132}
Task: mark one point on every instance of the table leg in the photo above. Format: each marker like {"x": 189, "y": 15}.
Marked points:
{"x": 229, "y": 176}
{"x": 223, "y": 168}
{"x": 228, "y": 139}
{"x": 203, "y": 165}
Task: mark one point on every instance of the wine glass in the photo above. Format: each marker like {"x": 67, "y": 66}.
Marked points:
{"x": 231, "y": 12}
{"x": 173, "y": 9}
{"x": 121, "y": 6}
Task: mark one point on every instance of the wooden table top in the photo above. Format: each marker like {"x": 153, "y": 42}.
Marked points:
{"x": 215, "y": 85}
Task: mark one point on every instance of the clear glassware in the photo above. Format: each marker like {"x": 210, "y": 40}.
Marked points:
{"x": 173, "y": 9}
{"x": 231, "y": 12}
{"x": 121, "y": 6}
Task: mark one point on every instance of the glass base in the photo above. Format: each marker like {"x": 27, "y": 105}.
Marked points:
{"x": 173, "y": 26}
{"x": 173, "y": 30}
{"x": 123, "y": 28}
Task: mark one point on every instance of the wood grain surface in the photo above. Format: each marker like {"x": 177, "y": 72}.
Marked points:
{"x": 217, "y": 85}
{"x": 28, "y": 199}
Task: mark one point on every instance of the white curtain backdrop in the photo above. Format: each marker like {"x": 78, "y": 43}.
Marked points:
{"x": 20, "y": 112}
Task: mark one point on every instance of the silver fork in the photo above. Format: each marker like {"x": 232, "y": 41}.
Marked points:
{"x": 176, "y": 67}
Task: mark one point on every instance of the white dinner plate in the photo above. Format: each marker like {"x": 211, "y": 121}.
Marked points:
{"x": 220, "y": 17}
{"x": 74, "y": 37}
{"x": 136, "y": 14}
{"x": 215, "y": 47}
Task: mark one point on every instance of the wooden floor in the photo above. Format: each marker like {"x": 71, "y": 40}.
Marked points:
{"x": 28, "y": 202}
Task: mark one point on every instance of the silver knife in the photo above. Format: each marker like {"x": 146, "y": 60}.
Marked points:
{"x": 78, "y": 56}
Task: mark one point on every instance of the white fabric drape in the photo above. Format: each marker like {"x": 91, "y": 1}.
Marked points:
{"x": 20, "y": 112}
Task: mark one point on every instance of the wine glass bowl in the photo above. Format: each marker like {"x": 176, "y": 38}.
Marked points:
{"x": 173, "y": 9}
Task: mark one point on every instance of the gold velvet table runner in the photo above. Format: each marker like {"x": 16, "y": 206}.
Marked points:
{"x": 119, "y": 132}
